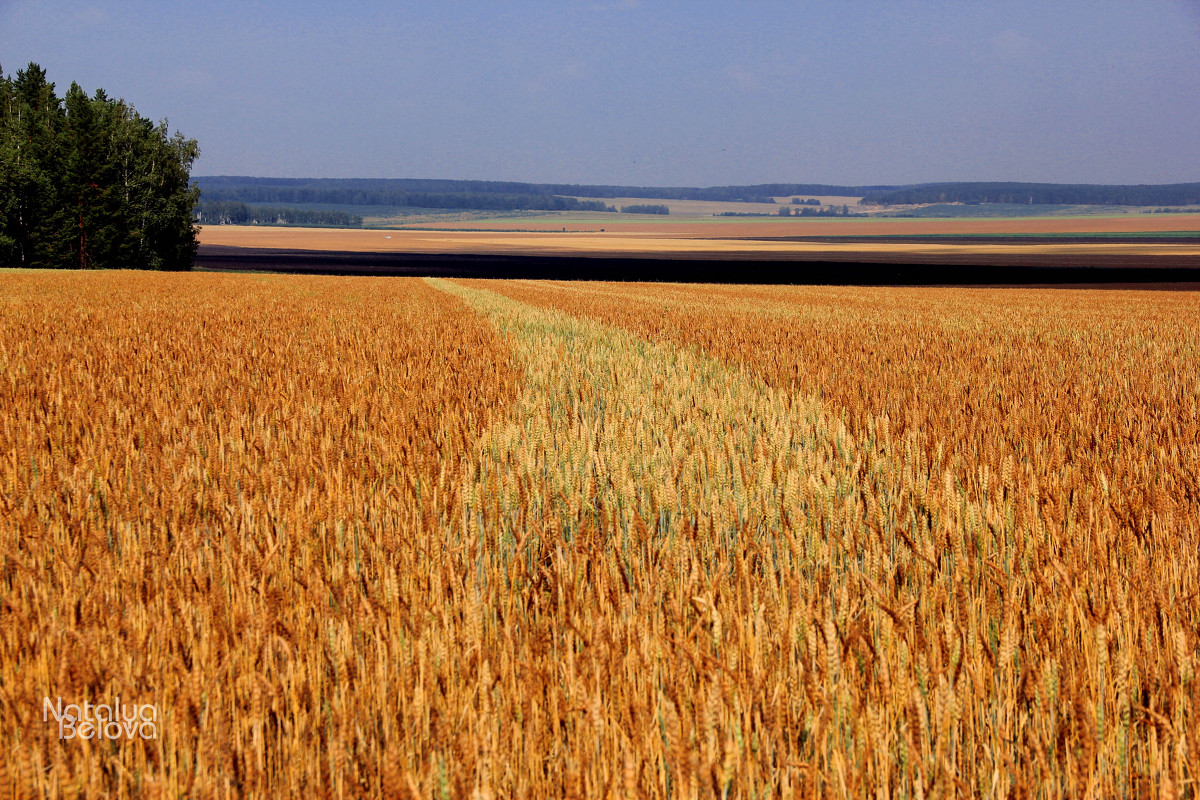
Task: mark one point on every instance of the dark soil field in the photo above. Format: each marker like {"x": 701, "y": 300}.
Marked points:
{"x": 831, "y": 269}
{"x": 1125, "y": 251}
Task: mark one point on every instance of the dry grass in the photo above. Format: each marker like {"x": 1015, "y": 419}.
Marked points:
{"x": 383, "y": 538}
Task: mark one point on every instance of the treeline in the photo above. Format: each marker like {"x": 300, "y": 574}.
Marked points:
{"x": 419, "y": 191}
{"x": 511, "y": 196}
{"x": 646, "y": 209}
{"x": 330, "y": 193}
{"x": 810, "y": 211}
{"x": 1042, "y": 194}
{"x": 788, "y": 211}
{"x": 755, "y": 193}
{"x": 210, "y": 212}
{"x": 87, "y": 182}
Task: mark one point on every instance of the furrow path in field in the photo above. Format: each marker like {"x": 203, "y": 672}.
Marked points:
{"x": 676, "y": 532}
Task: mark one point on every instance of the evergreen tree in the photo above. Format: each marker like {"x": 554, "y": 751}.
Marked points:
{"x": 32, "y": 125}
{"x": 8, "y": 161}
{"x": 86, "y": 182}
{"x": 89, "y": 189}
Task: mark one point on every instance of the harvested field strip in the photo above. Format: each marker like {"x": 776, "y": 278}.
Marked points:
{"x": 1009, "y": 571}
{"x": 453, "y": 239}
{"x": 227, "y": 496}
{"x": 1158, "y": 237}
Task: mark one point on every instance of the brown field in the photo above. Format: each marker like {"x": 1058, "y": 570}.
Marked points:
{"x": 855, "y": 226}
{"x": 723, "y": 237}
{"x": 363, "y": 537}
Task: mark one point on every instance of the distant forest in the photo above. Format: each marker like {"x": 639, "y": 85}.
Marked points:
{"x": 460, "y": 195}
{"x": 215, "y": 212}
{"x": 1174, "y": 194}
{"x": 511, "y": 196}
{"x": 488, "y": 195}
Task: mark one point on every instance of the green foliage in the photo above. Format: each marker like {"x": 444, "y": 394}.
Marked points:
{"x": 216, "y": 212}
{"x": 646, "y": 209}
{"x": 86, "y": 182}
{"x": 825, "y": 211}
{"x": 501, "y": 195}
{"x": 508, "y": 195}
{"x": 443, "y": 194}
{"x": 1041, "y": 194}
{"x": 804, "y": 211}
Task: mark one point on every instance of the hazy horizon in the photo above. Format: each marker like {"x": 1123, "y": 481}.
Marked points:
{"x": 647, "y": 94}
{"x": 198, "y": 175}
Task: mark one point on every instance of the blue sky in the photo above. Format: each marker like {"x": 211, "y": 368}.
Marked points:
{"x": 654, "y": 93}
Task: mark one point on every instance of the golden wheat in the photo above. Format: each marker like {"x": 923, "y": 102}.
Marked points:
{"x": 220, "y": 496}
{"x": 388, "y": 538}
{"x": 1081, "y": 555}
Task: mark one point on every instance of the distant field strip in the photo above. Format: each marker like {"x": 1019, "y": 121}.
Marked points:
{"x": 652, "y": 241}
{"x": 584, "y": 231}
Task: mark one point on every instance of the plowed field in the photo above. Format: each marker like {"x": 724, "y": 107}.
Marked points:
{"x": 717, "y": 236}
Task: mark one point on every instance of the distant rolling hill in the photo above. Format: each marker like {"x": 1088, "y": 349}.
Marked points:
{"x": 507, "y": 195}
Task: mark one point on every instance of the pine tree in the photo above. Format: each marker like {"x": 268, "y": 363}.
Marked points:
{"x": 89, "y": 183}
{"x": 8, "y": 160}
{"x": 32, "y": 127}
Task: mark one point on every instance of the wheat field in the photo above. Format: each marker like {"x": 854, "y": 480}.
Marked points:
{"x": 388, "y": 537}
